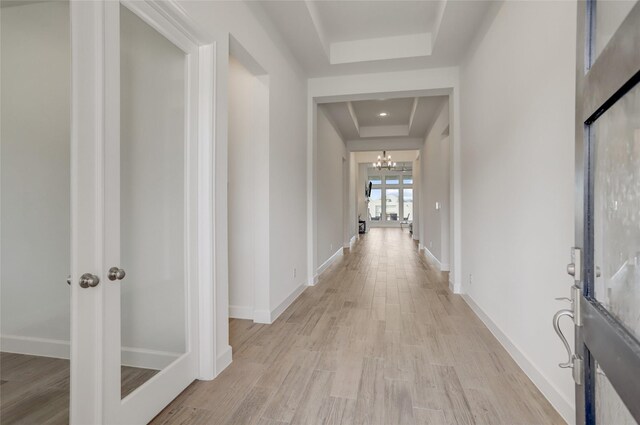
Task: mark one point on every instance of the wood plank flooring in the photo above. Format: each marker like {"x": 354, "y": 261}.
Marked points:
{"x": 379, "y": 340}
{"x": 35, "y": 390}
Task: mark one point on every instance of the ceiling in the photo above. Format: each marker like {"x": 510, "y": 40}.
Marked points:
{"x": 345, "y": 37}
{"x": 407, "y": 118}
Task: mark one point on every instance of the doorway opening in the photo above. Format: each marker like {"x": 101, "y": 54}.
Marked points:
{"x": 248, "y": 186}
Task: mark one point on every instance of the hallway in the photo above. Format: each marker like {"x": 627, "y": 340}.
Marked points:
{"x": 379, "y": 340}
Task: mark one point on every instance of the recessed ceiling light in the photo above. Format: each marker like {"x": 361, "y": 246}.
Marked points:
{"x": 382, "y": 114}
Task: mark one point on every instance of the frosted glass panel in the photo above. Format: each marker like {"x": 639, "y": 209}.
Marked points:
{"x": 152, "y": 155}
{"x": 609, "y": 16}
{"x": 617, "y": 209}
{"x": 610, "y": 409}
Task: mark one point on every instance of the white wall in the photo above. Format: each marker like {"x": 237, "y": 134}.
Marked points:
{"x": 331, "y": 183}
{"x": 248, "y": 192}
{"x": 35, "y": 149}
{"x": 517, "y": 99}
{"x": 287, "y": 240}
{"x": 434, "y": 187}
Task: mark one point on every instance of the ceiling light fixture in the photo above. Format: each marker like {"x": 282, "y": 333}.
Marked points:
{"x": 382, "y": 114}
{"x": 384, "y": 162}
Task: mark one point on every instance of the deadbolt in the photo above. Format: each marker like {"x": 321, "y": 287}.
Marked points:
{"x": 89, "y": 280}
{"x": 116, "y": 274}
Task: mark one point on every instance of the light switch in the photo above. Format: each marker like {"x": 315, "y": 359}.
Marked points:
{"x": 437, "y": 206}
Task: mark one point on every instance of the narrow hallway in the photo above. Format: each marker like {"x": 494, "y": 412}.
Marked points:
{"x": 379, "y": 340}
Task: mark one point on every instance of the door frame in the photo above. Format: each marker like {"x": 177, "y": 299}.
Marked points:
{"x": 598, "y": 335}
{"x": 93, "y": 107}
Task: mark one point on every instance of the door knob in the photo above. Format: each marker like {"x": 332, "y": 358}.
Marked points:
{"x": 116, "y": 273}
{"x": 69, "y": 280}
{"x": 89, "y": 280}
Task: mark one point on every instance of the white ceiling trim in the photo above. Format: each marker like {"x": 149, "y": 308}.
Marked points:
{"x": 317, "y": 23}
{"x": 388, "y": 144}
{"x": 384, "y": 131}
{"x": 354, "y": 118}
{"x": 413, "y": 112}
{"x": 384, "y": 48}
{"x": 442, "y": 5}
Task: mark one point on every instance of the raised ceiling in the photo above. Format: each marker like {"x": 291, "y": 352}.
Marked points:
{"x": 407, "y": 118}
{"x": 342, "y": 37}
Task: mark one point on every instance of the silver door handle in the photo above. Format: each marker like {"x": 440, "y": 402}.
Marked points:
{"x": 116, "y": 273}
{"x": 89, "y": 280}
{"x": 556, "y": 327}
{"x": 69, "y": 280}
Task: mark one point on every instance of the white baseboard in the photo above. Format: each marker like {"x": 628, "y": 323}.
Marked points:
{"x": 561, "y": 404}
{"x": 223, "y": 360}
{"x": 262, "y": 316}
{"x": 240, "y": 312}
{"x": 60, "y": 349}
{"x": 351, "y": 242}
{"x": 444, "y": 267}
{"x": 268, "y": 317}
{"x": 147, "y": 359}
{"x": 331, "y": 259}
{"x": 44, "y": 347}
{"x": 313, "y": 280}
{"x": 434, "y": 259}
{"x": 276, "y": 312}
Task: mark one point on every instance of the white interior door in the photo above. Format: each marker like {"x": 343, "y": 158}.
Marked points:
{"x": 134, "y": 212}
{"x": 150, "y": 211}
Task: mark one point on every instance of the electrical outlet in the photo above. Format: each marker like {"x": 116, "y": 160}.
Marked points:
{"x": 470, "y": 278}
{"x": 430, "y": 244}
{"x": 295, "y": 272}
{"x": 331, "y": 247}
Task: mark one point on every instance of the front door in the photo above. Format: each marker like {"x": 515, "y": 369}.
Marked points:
{"x": 606, "y": 266}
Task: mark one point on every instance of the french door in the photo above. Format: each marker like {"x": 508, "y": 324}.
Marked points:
{"x": 134, "y": 211}
{"x": 606, "y": 266}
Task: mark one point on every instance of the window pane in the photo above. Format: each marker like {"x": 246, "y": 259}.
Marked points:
{"x": 375, "y": 179}
{"x": 407, "y": 204}
{"x": 375, "y": 204}
{"x": 392, "y": 204}
{"x": 392, "y": 180}
{"x": 407, "y": 179}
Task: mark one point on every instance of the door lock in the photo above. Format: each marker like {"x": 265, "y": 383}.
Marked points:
{"x": 116, "y": 273}
{"x": 89, "y": 280}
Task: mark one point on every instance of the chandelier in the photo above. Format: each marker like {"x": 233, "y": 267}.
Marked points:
{"x": 384, "y": 162}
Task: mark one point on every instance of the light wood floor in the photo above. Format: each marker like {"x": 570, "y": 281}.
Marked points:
{"x": 380, "y": 340}
{"x": 34, "y": 390}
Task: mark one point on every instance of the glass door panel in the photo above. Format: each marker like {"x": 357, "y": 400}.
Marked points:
{"x": 407, "y": 204}
{"x": 392, "y": 204}
{"x": 375, "y": 204}
{"x": 152, "y": 201}
{"x": 617, "y": 210}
